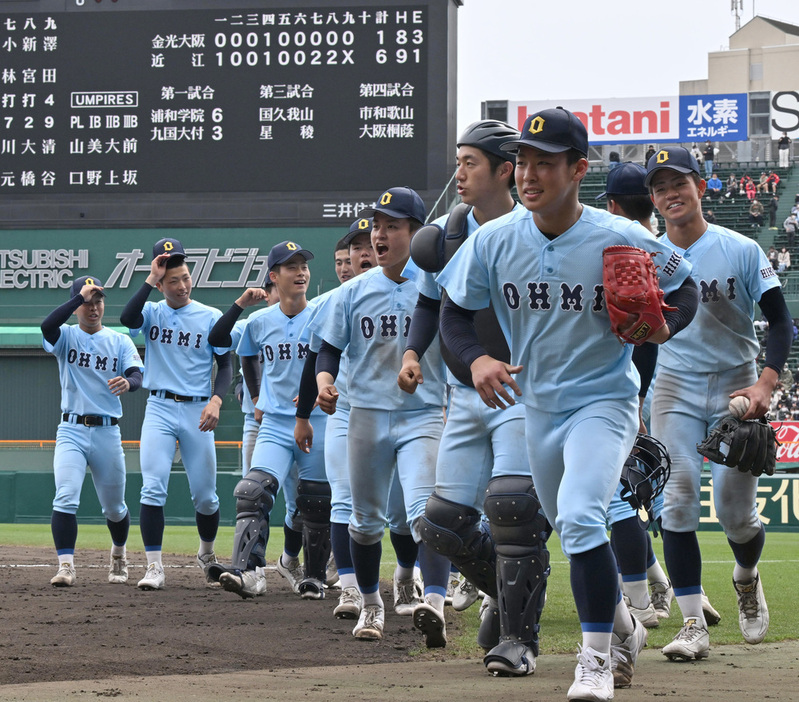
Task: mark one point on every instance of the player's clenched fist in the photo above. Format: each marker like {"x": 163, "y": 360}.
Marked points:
{"x": 490, "y": 378}
{"x": 250, "y": 297}
{"x": 327, "y": 398}
{"x": 410, "y": 375}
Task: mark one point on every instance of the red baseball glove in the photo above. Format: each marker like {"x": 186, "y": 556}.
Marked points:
{"x": 632, "y": 293}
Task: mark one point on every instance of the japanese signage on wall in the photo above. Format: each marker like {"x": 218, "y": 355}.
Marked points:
{"x": 652, "y": 119}
{"x": 197, "y": 96}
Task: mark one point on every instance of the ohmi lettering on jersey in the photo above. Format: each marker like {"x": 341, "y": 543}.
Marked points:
{"x": 540, "y": 297}
{"x": 709, "y": 291}
{"x": 385, "y": 325}
{"x": 177, "y": 337}
{"x": 286, "y": 352}
{"x": 81, "y": 359}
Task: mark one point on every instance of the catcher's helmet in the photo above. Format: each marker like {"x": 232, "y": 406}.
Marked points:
{"x": 489, "y": 135}
{"x": 645, "y": 473}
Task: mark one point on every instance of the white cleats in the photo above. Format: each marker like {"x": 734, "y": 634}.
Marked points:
{"x": 65, "y": 577}
{"x": 752, "y": 610}
{"x": 370, "y": 623}
{"x": 408, "y": 595}
{"x": 691, "y": 643}
{"x": 118, "y": 570}
{"x": 245, "y": 583}
{"x": 624, "y": 654}
{"x": 593, "y": 679}
{"x": 349, "y": 604}
{"x": 153, "y": 578}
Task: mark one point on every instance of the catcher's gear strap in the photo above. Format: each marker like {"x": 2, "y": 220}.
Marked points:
{"x": 685, "y": 301}
{"x": 453, "y": 530}
{"x": 433, "y": 246}
{"x": 255, "y": 496}
{"x": 780, "y": 328}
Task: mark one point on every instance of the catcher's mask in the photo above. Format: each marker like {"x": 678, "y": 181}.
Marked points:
{"x": 645, "y": 473}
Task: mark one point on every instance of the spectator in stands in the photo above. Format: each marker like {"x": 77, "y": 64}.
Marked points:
{"x": 750, "y": 189}
{"x": 708, "y": 155}
{"x": 714, "y": 186}
{"x": 650, "y": 152}
{"x": 710, "y": 217}
{"x": 773, "y": 182}
{"x": 732, "y": 187}
{"x": 613, "y": 160}
{"x": 771, "y": 254}
{"x": 762, "y": 184}
{"x": 791, "y": 224}
{"x": 697, "y": 154}
{"x": 756, "y": 214}
{"x": 784, "y": 150}
{"x": 773, "y": 206}
{"x": 783, "y": 260}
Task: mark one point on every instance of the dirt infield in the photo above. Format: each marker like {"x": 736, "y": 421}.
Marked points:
{"x": 189, "y": 642}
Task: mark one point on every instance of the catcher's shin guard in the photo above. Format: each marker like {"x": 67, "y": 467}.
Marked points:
{"x": 520, "y": 531}
{"x": 313, "y": 503}
{"x": 255, "y": 496}
{"x": 453, "y": 530}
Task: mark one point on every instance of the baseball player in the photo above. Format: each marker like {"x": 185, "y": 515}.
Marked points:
{"x": 96, "y": 365}
{"x": 341, "y": 259}
{"x": 480, "y": 448}
{"x": 182, "y": 406}
{"x": 369, "y": 319}
{"x": 697, "y": 375}
{"x": 541, "y": 268}
{"x": 406, "y": 584}
{"x": 639, "y": 570}
{"x": 280, "y": 334}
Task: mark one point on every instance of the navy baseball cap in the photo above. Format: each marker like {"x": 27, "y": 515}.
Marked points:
{"x": 553, "y": 131}
{"x": 675, "y": 158}
{"x": 626, "y": 179}
{"x": 359, "y": 226}
{"x": 168, "y": 246}
{"x": 78, "y": 284}
{"x": 282, "y": 252}
{"x": 399, "y": 203}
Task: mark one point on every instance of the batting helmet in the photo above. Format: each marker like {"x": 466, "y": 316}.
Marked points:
{"x": 645, "y": 473}
{"x": 489, "y": 135}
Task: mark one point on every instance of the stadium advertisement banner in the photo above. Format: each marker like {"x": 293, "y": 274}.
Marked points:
{"x": 714, "y": 117}
{"x": 777, "y": 502}
{"x": 785, "y": 114}
{"x": 614, "y": 120}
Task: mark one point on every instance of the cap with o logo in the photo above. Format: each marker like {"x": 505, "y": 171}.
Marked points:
{"x": 359, "y": 226}
{"x": 78, "y": 283}
{"x": 282, "y": 252}
{"x": 553, "y": 131}
{"x": 168, "y": 246}
{"x": 400, "y": 203}
{"x": 675, "y": 158}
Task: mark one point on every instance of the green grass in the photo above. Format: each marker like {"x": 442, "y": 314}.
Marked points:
{"x": 560, "y": 628}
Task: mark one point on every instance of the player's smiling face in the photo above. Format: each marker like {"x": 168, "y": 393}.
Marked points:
{"x": 391, "y": 241}
{"x": 362, "y": 254}
{"x": 292, "y": 277}
{"x": 90, "y": 314}
{"x": 475, "y": 178}
{"x": 677, "y": 196}
{"x": 546, "y": 182}
{"x": 176, "y": 286}
{"x": 343, "y": 266}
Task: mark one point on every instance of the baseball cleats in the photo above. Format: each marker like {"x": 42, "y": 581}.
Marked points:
{"x": 510, "y": 659}
{"x": 370, "y": 623}
{"x": 624, "y": 654}
{"x": 118, "y": 571}
{"x": 691, "y": 643}
{"x": 408, "y": 595}
{"x": 65, "y": 577}
{"x": 488, "y": 633}
{"x": 452, "y": 584}
{"x": 712, "y": 617}
{"x": 205, "y": 560}
{"x": 465, "y": 595}
{"x": 661, "y": 595}
{"x": 647, "y": 616}
{"x": 293, "y": 572}
{"x": 153, "y": 578}
{"x": 311, "y": 589}
{"x": 752, "y": 610}
{"x": 430, "y": 622}
{"x": 331, "y": 573}
{"x": 349, "y": 604}
{"x": 245, "y": 583}
{"x": 593, "y": 679}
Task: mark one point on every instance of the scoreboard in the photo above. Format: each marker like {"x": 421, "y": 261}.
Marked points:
{"x": 203, "y": 112}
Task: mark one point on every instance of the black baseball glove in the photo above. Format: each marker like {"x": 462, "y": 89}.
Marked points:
{"x": 749, "y": 445}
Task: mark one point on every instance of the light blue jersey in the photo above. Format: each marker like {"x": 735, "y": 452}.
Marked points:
{"x": 284, "y": 342}
{"x": 548, "y": 298}
{"x": 179, "y": 358}
{"x": 732, "y": 273}
{"x": 316, "y": 324}
{"x": 86, "y": 362}
{"x": 370, "y": 317}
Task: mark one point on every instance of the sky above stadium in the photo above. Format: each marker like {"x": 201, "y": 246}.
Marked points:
{"x": 545, "y": 50}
